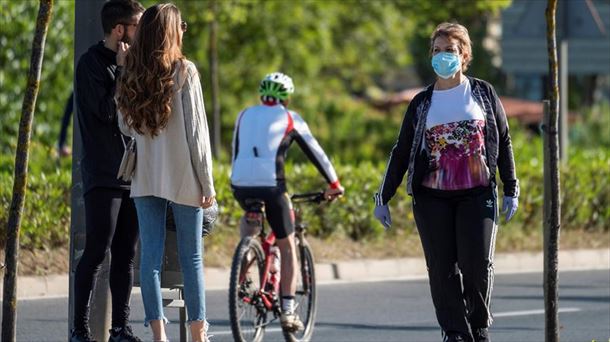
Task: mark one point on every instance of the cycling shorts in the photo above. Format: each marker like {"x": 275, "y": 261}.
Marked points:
{"x": 278, "y": 207}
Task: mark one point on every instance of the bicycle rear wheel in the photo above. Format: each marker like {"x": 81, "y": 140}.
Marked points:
{"x": 305, "y": 297}
{"x": 247, "y": 314}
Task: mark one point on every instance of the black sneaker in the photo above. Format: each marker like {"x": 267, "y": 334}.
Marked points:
{"x": 81, "y": 335}
{"x": 123, "y": 335}
{"x": 481, "y": 335}
{"x": 455, "y": 337}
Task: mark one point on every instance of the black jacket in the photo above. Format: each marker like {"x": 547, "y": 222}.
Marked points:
{"x": 97, "y": 117}
{"x": 407, "y": 154}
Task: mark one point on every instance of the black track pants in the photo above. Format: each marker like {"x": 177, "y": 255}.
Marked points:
{"x": 458, "y": 233}
{"x": 111, "y": 220}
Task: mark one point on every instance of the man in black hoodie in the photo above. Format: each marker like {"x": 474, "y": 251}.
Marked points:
{"x": 110, "y": 215}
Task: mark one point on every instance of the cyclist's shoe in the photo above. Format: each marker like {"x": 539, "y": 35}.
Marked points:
{"x": 123, "y": 335}
{"x": 81, "y": 335}
{"x": 481, "y": 335}
{"x": 291, "y": 322}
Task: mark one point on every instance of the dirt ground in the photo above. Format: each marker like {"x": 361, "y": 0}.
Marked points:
{"x": 56, "y": 261}
{"x": 43, "y": 262}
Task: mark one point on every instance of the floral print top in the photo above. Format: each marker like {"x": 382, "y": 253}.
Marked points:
{"x": 457, "y": 156}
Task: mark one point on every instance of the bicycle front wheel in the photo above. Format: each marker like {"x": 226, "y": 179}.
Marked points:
{"x": 305, "y": 296}
{"x": 247, "y": 314}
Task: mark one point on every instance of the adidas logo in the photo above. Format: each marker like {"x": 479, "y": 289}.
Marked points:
{"x": 490, "y": 203}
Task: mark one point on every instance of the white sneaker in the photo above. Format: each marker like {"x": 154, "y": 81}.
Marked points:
{"x": 291, "y": 322}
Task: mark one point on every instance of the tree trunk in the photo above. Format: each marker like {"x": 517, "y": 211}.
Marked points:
{"x": 213, "y": 57}
{"x": 9, "y": 303}
{"x": 552, "y": 188}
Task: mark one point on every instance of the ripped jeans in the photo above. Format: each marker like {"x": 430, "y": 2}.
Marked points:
{"x": 151, "y": 218}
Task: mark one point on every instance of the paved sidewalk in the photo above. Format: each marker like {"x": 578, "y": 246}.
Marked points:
{"x": 356, "y": 271}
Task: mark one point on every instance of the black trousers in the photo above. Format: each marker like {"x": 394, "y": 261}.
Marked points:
{"x": 112, "y": 222}
{"x": 458, "y": 233}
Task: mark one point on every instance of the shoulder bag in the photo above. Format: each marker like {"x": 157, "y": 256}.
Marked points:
{"x": 128, "y": 162}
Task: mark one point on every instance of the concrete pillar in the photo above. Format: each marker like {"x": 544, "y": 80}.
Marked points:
{"x": 87, "y": 31}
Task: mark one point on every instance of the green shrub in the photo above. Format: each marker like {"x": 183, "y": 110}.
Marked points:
{"x": 585, "y": 195}
{"x": 584, "y": 184}
{"x": 45, "y": 222}
{"x": 592, "y": 128}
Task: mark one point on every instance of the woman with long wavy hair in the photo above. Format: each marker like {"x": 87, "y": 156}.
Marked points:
{"x": 160, "y": 104}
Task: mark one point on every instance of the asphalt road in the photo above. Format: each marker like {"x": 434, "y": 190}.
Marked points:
{"x": 399, "y": 310}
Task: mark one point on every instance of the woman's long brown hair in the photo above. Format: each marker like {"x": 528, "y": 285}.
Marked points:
{"x": 146, "y": 86}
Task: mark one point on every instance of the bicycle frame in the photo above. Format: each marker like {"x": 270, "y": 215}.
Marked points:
{"x": 269, "y": 295}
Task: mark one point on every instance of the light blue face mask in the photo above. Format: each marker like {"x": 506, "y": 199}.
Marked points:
{"x": 446, "y": 64}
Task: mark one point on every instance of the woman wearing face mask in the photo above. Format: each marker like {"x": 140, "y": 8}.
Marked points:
{"x": 453, "y": 138}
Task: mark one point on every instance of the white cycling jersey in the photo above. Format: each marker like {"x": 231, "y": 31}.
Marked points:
{"x": 261, "y": 139}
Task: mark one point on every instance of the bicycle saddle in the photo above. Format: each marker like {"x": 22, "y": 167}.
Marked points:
{"x": 255, "y": 205}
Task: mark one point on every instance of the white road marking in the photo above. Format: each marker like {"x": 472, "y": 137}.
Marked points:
{"x": 531, "y": 312}
{"x": 499, "y": 314}
{"x": 228, "y": 332}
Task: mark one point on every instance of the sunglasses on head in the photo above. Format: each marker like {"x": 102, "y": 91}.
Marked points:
{"x": 183, "y": 26}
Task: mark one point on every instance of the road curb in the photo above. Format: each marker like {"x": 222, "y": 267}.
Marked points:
{"x": 30, "y": 287}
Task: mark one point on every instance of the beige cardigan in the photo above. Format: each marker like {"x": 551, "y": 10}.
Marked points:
{"x": 177, "y": 163}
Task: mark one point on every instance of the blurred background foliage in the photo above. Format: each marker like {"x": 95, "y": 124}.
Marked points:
{"x": 335, "y": 51}
{"x": 338, "y": 53}
{"x": 17, "y": 24}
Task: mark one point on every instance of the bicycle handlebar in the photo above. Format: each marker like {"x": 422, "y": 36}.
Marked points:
{"x": 316, "y": 197}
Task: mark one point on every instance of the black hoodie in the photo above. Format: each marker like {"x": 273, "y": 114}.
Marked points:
{"x": 103, "y": 147}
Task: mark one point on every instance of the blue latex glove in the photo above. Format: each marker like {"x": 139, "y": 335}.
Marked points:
{"x": 382, "y": 214}
{"x": 509, "y": 206}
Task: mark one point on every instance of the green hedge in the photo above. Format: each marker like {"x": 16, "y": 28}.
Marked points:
{"x": 46, "y": 218}
{"x": 585, "y": 200}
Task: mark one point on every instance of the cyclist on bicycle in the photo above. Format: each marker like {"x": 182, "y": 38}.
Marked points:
{"x": 261, "y": 139}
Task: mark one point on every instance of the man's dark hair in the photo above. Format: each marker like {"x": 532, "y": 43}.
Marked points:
{"x": 117, "y": 12}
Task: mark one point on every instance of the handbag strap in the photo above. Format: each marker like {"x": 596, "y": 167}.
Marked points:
{"x": 123, "y": 141}
{"x": 127, "y": 144}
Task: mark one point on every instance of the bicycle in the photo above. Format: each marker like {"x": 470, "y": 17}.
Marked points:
{"x": 254, "y": 290}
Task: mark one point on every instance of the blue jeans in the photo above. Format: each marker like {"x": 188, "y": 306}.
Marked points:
{"x": 151, "y": 218}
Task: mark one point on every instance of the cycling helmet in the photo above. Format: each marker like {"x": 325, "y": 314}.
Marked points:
{"x": 276, "y": 85}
